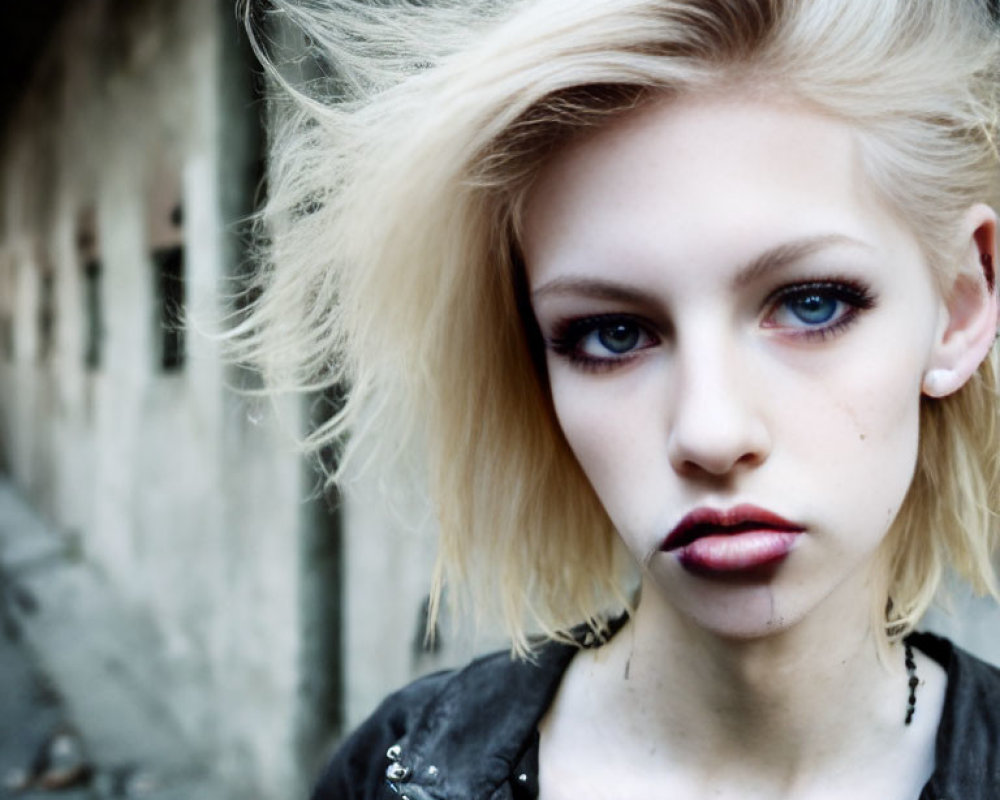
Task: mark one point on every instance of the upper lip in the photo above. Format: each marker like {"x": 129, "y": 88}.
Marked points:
{"x": 710, "y": 521}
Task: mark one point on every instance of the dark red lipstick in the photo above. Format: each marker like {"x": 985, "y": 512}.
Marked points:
{"x": 738, "y": 540}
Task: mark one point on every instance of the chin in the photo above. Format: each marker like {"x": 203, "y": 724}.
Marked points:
{"x": 745, "y": 626}
{"x": 735, "y": 611}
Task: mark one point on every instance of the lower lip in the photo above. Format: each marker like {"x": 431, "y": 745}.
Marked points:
{"x": 736, "y": 553}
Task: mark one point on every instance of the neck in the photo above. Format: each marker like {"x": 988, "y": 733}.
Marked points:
{"x": 788, "y": 701}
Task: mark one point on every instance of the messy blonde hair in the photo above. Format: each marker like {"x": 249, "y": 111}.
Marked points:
{"x": 392, "y": 262}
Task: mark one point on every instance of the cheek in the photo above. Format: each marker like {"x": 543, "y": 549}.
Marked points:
{"x": 862, "y": 416}
{"x": 863, "y": 442}
{"x": 613, "y": 430}
{"x": 594, "y": 424}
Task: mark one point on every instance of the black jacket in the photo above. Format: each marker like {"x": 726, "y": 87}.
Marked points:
{"x": 472, "y": 734}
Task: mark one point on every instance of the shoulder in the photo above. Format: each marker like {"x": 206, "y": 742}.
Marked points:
{"x": 973, "y": 684}
{"x": 459, "y": 728}
{"x": 967, "y": 750}
{"x": 357, "y": 768}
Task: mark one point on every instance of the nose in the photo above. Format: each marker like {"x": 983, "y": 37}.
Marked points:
{"x": 716, "y": 424}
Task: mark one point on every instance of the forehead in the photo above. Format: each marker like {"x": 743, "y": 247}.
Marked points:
{"x": 692, "y": 179}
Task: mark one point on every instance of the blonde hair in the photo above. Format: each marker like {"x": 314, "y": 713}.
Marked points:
{"x": 392, "y": 264}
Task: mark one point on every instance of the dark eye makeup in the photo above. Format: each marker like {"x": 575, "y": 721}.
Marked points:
{"x": 601, "y": 340}
{"x": 816, "y": 309}
{"x": 805, "y": 310}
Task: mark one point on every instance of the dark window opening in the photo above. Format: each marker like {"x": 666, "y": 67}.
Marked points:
{"x": 168, "y": 263}
{"x": 46, "y": 315}
{"x": 91, "y": 288}
{"x": 7, "y": 337}
{"x": 93, "y": 334}
{"x": 425, "y": 641}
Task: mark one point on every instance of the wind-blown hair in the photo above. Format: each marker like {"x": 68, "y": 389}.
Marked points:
{"x": 392, "y": 263}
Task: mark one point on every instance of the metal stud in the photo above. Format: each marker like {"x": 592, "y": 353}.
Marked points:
{"x": 394, "y": 752}
{"x": 397, "y": 772}
{"x": 432, "y": 771}
{"x": 523, "y": 777}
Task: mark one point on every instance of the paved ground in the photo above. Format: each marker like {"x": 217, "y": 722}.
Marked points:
{"x": 32, "y": 714}
{"x": 79, "y": 715}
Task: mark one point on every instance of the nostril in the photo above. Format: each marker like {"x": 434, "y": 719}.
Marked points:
{"x": 751, "y": 459}
{"x": 701, "y": 456}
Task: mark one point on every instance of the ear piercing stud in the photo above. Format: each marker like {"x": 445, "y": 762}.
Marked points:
{"x": 937, "y": 382}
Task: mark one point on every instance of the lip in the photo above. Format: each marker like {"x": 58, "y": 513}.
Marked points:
{"x": 741, "y": 539}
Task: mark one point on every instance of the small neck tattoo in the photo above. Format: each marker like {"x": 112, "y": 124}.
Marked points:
{"x": 914, "y": 681}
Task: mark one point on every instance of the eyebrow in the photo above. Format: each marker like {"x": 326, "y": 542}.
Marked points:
{"x": 788, "y": 253}
{"x": 771, "y": 260}
{"x": 596, "y": 288}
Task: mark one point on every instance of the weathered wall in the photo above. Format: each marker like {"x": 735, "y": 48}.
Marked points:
{"x": 187, "y": 498}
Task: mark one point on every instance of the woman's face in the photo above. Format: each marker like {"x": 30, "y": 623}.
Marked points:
{"x": 736, "y": 330}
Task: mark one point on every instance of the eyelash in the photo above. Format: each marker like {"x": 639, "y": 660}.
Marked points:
{"x": 569, "y": 334}
{"x": 855, "y": 296}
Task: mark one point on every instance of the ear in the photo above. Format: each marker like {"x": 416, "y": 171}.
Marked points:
{"x": 970, "y": 325}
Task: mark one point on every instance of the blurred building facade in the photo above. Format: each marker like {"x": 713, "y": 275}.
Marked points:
{"x": 129, "y": 158}
{"x": 129, "y": 155}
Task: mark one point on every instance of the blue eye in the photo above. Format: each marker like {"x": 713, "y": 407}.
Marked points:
{"x": 601, "y": 341}
{"x": 618, "y": 338}
{"x": 817, "y": 308}
{"x": 813, "y": 309}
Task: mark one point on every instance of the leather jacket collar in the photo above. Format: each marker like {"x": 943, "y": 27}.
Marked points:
{"x": 472, "y": 734}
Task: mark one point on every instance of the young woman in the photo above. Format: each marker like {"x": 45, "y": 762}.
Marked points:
{"x": 688, "y": 308}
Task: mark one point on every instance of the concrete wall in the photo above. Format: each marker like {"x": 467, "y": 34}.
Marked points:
{"x": 187, "y": 498}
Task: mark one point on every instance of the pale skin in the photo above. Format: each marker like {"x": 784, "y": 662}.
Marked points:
{"x": 734, "y": 315}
